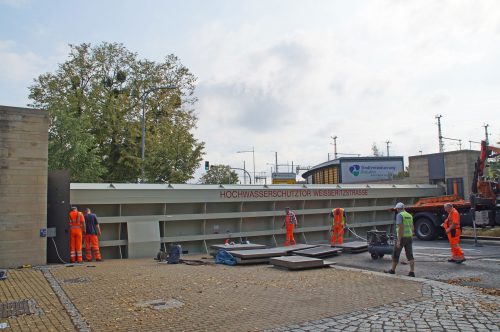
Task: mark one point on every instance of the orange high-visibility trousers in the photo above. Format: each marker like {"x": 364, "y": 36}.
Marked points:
{"x": 92, "y": 243}
{"x": 337, "y": 235}
{"x": 289, "y": 235}
{"x": 456, "y": 251}
{"x": 75, "y": 245}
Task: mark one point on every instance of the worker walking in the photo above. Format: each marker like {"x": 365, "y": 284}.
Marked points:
{"x": 290, "y": 223}
{"x": 452, "y": 228}
{"x": 91, "y": 237}
{"x": 404, "y": 223}
{"x": 76, "y": 231}
{"x": 338, "y": 225}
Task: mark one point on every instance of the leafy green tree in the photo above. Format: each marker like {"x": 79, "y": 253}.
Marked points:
{"x": 376, "y": 151}
{"x": 95, "y": 101}
{"x": 219, "y": 174}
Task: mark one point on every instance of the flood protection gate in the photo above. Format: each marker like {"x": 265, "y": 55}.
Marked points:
{"x": 138, "y": 219}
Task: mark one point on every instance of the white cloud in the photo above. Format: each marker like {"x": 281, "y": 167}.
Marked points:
{"x": 383, "y": 75}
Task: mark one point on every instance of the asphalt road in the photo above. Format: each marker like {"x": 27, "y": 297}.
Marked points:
{"x": 481, "y": 269}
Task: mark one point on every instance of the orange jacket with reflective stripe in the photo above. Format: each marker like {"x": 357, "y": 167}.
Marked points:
{"x": 76, "y": 219}
{"x": 453, "y": 218}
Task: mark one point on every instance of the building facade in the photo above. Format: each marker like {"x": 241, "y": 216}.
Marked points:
{"x": 453, "y": 168}
{"x": 355, "y": 170}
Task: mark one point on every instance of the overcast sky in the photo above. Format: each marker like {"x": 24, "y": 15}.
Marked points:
{"x": 287, "y": 75}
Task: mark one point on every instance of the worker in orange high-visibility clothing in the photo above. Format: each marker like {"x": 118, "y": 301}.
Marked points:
{"x": 452, "y": 228}
{"x": 338, "y": 225}
{"x": 290, "y": 223}
{"x": 76, "y": 231}
{"x": 91, "y": 237}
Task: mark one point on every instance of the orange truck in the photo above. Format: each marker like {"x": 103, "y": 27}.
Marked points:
{"x": 482, "y": 208}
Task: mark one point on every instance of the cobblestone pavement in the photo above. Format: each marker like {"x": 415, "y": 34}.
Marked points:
{"x": 30, "y": 284}
{"x": 117, "y": 295}
{"x": 442, "y": 308}
{"x": 142, "y": 295}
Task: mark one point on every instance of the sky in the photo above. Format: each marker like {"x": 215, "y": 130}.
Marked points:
{"x": 284, "y": 75}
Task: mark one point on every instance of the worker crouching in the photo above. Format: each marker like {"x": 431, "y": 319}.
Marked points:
{"x": 290, "y": 223}
{"x": 76, "y": 231}
{"x": 452, "y": 229}
{"x": 338, "y": 225}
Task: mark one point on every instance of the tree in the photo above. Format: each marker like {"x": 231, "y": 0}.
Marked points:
{"x": 376, "y": 151}
{"x": 402, "y": 174}
{"x": 220, "y": 174}
{"x": 94, "y": 100}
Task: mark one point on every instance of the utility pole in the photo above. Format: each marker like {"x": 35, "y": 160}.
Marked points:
{"x": 334, "y": 146}
{"x": 387, "y": 143}
{"x": 244, "y": 173}
{"x": 486, "y": 133}
{"x": 441, "y": 144}
{"x": 276, "y": 161}
{"x": 470, "y": 144}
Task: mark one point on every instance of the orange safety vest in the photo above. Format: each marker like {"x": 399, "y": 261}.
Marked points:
{"x": 76, "y": 220}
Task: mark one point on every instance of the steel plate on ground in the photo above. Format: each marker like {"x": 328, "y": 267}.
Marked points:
{"x": 354, "y": 247}
{"x": 259, "y": 253}
{"x": 297, "y": 262}
{"x": 300, "y": 246}
{"x": 320, "y": 252}
{"x": 240, "y": 261}
{"x": 233, "y": 247}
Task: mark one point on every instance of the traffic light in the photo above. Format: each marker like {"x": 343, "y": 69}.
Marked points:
{"x": 207, "y": 165}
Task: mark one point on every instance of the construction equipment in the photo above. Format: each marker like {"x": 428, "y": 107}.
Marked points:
{"x": 379, "y": 243}
{"x": 482, "y": 208}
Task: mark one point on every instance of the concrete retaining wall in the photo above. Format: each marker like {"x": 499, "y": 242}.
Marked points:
{"x": 23, "y": 185}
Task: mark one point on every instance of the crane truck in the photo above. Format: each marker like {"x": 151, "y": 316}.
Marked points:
{"x": 482, "y": 208}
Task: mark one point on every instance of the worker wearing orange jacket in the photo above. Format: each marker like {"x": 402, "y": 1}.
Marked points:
{"x": 452, "y": 228}
{"x": 338, "y": 225}
{"x": 289, "y": 223}
{"x": 91, "y": 237}
{"x": 76, "y": 231}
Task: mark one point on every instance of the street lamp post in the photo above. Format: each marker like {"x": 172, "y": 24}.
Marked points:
{"x": 143, "y": 141}
{"x": 253, "y": 157}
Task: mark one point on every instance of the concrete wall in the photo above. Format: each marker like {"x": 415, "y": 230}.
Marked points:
{"x": 460, "y": 164}
{"x": 419, "y": 169}
{"x": 23, "y": 185}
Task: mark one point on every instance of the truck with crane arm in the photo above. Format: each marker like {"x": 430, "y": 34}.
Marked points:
{"x": 482, "y": 208}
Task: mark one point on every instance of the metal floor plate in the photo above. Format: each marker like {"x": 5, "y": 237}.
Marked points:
{"x": 18, "y": 308}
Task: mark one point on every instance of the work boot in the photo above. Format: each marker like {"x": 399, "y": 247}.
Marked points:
{"x": 390, "y": 271}
{"x": 411, "y": 274}
{"x": 460, "y": 261}
{"x": 451, "y": 260}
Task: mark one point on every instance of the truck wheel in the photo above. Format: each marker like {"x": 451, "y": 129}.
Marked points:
{"x": 374, "y": 256}
{"x": 425, "y": 229}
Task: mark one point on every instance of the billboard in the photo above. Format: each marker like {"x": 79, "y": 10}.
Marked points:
{"x": 367, "y": 171}
{"x": 284, "y": 178}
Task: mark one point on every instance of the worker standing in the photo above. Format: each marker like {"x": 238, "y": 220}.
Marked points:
{"x": 91, "y": 237}
{"x": 76, "y": 231}
{"x": 290, "y": 223}
{"x": 338, "y": 225}
{"x": 404, "y": 223}
{"x": 452, "y": 228}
